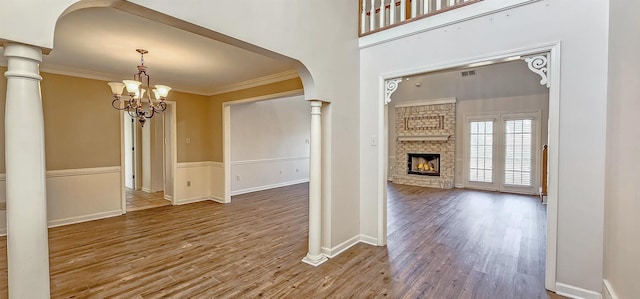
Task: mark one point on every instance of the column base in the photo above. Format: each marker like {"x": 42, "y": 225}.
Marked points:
{"x": 314, "y": 260}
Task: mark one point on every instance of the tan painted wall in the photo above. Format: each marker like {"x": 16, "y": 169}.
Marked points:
{"x": 194, "y": 122}
{"x": 83, "y": 131}
{"x": 215, "y": 107}
{"x": 81, "y": 128}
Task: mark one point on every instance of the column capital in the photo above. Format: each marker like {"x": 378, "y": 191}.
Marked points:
{"x": 23, "y": 61}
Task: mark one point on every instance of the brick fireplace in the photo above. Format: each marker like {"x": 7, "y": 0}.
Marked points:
{"x": 425, "y": 146}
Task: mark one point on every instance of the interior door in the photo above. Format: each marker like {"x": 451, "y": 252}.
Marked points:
{"x": 168, "y": 117}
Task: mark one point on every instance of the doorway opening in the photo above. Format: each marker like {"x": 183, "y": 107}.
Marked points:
{"x": 149, "y": 160}
{"x": 514, "y": 169}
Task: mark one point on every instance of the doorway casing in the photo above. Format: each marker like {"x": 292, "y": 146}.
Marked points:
{"x": 553, "y": 72}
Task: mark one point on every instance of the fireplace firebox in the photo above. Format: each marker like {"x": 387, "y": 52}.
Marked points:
{"x": 423, "y": 164}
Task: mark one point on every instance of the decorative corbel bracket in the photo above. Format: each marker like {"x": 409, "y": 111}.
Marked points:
{"x": 539, "y": 65}
{"x": 390, "y": 87}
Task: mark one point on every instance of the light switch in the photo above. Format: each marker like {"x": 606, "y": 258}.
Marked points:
{"x": 188, "y": 140}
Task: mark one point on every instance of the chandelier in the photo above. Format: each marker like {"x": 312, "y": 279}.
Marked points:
{"x": 135, "y": 102}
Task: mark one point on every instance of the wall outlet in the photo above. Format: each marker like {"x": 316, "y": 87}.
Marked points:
{"x": 188, "y": 183}
{"x": 237, "y": 177}
{"x": 280, "y": 171}
{"x": 306, "y": 141}
{"x": 297, "y": 169}
{"x": 188, "y": 140}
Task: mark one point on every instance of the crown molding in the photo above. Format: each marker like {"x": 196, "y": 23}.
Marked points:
{"x": 273, "y": 78}
{"x": 75, "y": 72}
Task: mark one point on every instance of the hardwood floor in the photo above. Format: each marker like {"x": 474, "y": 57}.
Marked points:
{"x": 442, "y": 244}
{"x": 140, "y": 200}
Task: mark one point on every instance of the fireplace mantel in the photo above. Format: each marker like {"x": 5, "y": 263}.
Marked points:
{"x": 425, "y": 138}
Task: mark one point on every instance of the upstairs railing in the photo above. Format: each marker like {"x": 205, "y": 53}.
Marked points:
{"x": 377, "y": 15}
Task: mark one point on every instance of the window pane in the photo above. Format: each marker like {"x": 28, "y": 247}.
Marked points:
{"x": 481, "y": 151}
{"x": 518, "y": 152}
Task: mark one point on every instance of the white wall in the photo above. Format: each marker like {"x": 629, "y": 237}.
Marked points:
{"x": 521, "y": 104}
{"x": 622, "y": 240}
{"x": 269, "y": 144}
{"x": 581, "y": 27}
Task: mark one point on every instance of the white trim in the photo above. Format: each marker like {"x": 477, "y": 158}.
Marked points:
{"x": 185, "y": 201}
{"x": 145, "y": 189}
{"x": 425, "y": 138}
{"x": 198, "y": 164}
{"x": 576, "y": 292}
{"x": 261, "y": 161}
{"x": 3, "y": 232}
{"x": 369, "y": 240}
{"x": 456, "y": 16}
{"x": 340, "y": 248}
{"x": 82, "y": 171}
{"x": 554, "y": 128}
{"x": 217, "y": 199}
{"x": 168, "y": 197}
{"x": 216, "y": 164}
{"x": 84, "y": 218}
{"x": 607, "y": 290}
{"x": 273, "y": 78}
{"x": 427, "y": 102}
{"x": 267, "y": 187}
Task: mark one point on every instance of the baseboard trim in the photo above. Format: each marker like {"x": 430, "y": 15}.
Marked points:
{"x": 168, "y": 197}
{"x": 217, "y": 199}
{"x": 191, "y": 200}
{"x": 369, "y": 240}
{"x": 607, "y": 290}
{"x": 3, "y": 232}
{"x": 576, "y": 292}
{"x": 459, "y": 186}
{"x": 85, "y": 218}
{"x": 262, "y": 161}
{"x": 145, "y": 189}
{"x": 340, "y": 248}
{"x": 195, "y": 164}
{"x": 75, "y": 172}
{"x": 267, "y": 187}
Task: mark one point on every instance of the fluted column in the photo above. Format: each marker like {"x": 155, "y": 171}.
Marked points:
{"x": 314, "y": 256}
{"x": 27, "y": 237}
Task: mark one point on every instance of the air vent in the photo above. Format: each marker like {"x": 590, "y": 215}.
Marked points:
{"x": 469, "y": 73}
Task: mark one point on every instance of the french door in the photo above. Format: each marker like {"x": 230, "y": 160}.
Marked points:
{"x": 501, "y": 152}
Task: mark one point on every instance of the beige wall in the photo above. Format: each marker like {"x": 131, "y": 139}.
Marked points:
{"x": 622, "y": 197}
{"x": 194, "y": 121}
{"x": 83, "y": 131}
{"x": 81, "y": 128}
{"x": 215, "y": 106}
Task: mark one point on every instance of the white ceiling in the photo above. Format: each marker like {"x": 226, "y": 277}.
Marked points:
{"x": 101, "y": 43}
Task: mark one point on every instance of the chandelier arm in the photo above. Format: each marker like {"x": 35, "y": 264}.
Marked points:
{"x": 118, "y": 105}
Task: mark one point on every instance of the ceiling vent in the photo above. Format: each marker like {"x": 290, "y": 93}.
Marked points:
{"x": 469, "y": 73}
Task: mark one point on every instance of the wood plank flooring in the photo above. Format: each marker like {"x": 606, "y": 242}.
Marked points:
{"x": 140, "y": 200}
{"x": 442, "y": 244}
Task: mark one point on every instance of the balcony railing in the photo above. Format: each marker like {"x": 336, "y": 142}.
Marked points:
{"x": 377, "y": 15}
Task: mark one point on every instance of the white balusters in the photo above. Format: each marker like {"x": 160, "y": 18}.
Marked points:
{"x": 363, "y": 17}
{"x": 383, "y": 10}
{"x": 379, "y": 17}
{"x": 414, "y": 8}
{"x": 372, "y": 16}
{"x": 392, "y": 12}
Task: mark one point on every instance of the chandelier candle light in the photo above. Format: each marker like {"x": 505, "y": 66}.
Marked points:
{"x": 139, "y": 106}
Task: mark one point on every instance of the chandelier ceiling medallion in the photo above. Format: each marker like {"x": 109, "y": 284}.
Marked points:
{"x": 137, "y": 104}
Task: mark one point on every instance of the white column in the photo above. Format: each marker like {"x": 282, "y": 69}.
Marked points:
{"x": 403, "y": 11}
{"x": 314, "y": 256}
{"x": 27, "y": 236}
